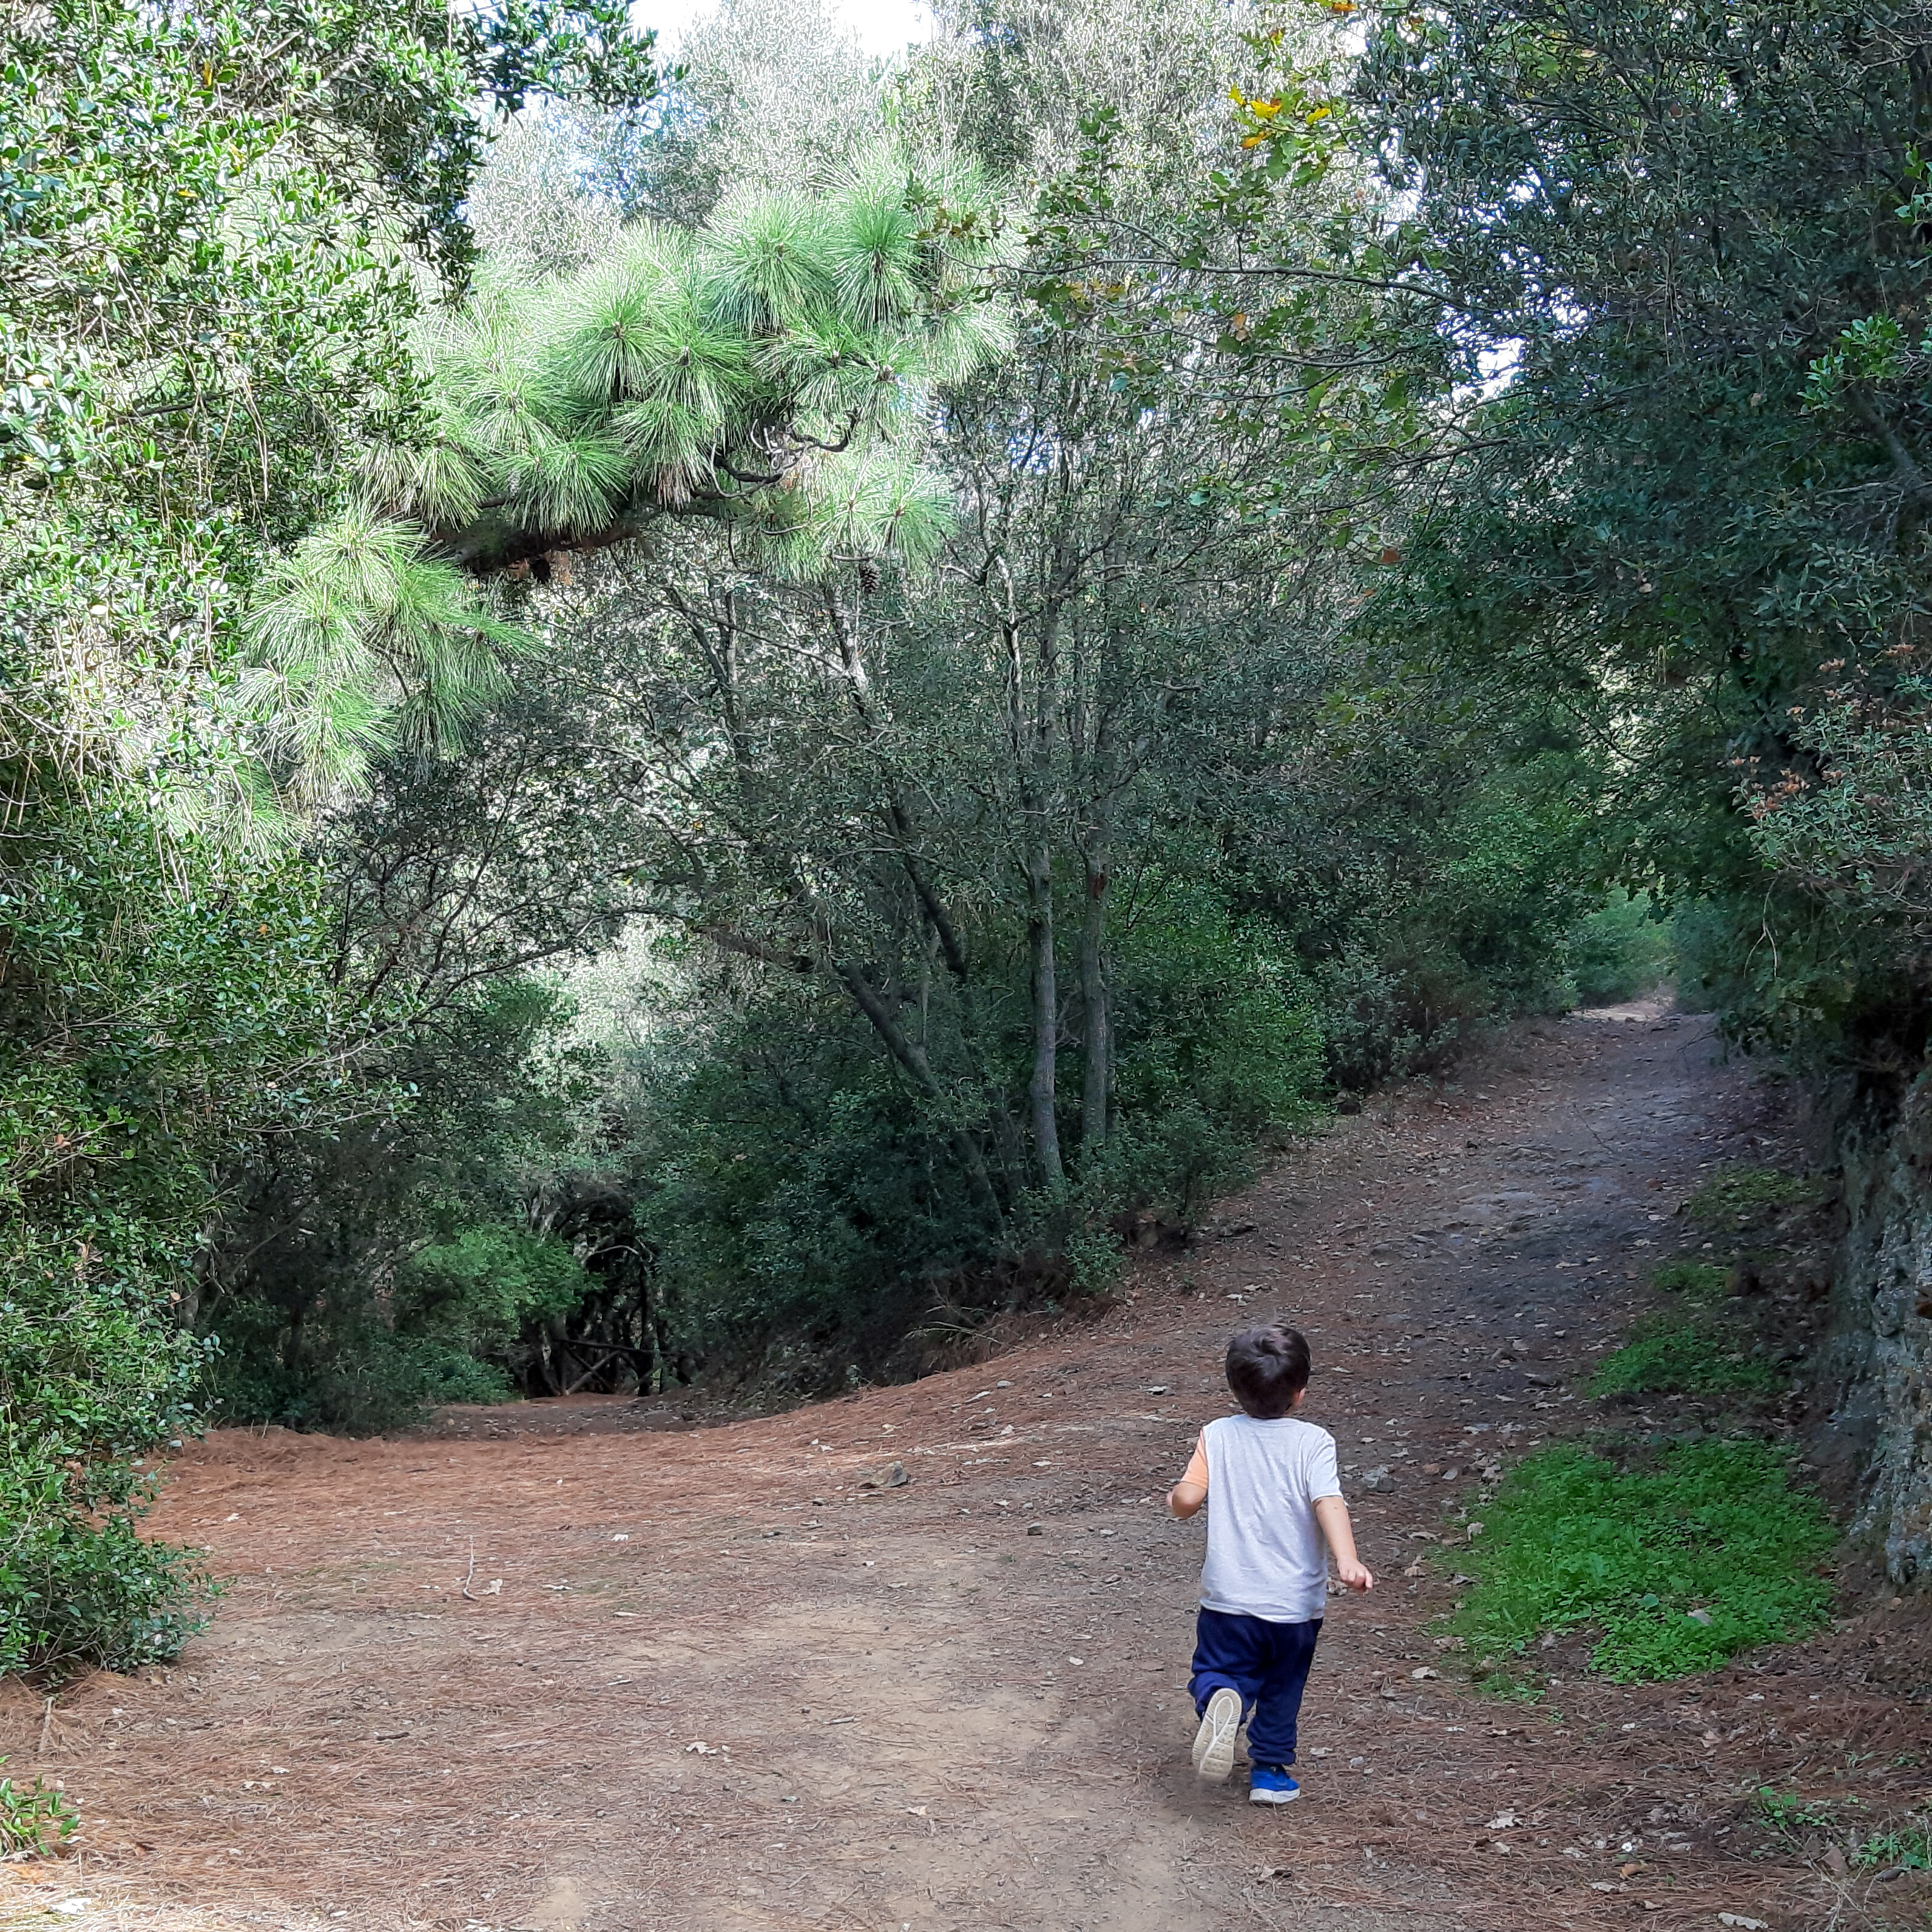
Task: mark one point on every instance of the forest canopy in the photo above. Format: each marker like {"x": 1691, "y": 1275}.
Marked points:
{"x": 717, "y": 722}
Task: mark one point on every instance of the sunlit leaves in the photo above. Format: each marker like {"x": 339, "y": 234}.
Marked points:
{"x": 874, "y": 254}
{"x": 776, "y": 370}
{"x": 438, "y": 477}
{"x": 966, "y": 338}
{"x": 773, "y": 257}
{"x": 362, "y": 641}
{"x": 879, "y": 501}
{"x": 718, "y": 369}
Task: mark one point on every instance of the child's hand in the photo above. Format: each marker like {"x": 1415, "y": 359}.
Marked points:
{"x": 1332, "y": 1514}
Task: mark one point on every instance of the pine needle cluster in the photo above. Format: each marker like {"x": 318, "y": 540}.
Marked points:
{"x": 776, "y": 368}
{"x": 775, "y": 365}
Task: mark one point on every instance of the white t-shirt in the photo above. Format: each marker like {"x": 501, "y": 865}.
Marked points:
{"x": 1267, "y": 1556}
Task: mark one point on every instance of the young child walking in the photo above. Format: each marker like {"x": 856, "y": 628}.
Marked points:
{"x": 1275, "y": 1513}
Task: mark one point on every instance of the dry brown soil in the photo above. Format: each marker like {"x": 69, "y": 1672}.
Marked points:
{"x": 701, "y": 1680}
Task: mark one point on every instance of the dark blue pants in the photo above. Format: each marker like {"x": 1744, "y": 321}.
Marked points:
{"x": 1267, "y": 1663}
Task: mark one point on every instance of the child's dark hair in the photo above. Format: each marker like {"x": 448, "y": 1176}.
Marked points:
{"x": 1267, "y": 1368}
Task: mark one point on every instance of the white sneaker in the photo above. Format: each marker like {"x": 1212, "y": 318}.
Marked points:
{"x": 1214, "y": 1741}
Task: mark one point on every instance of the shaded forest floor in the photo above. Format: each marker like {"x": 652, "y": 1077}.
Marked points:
{"x": 703, "y": 1681}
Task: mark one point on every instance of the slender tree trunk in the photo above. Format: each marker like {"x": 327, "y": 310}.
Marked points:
{"x": 1041, "y": 1096}
{"x": 866, "y": 707}
{"x": 1030, "y": 729}
{"x": 651, "y": 1369}
{"x": 911, "y": 1055}
{"x": 1096, "y": 1071}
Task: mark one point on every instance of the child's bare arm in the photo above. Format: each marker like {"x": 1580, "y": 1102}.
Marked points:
{"x": 1332, "y": 1513}
{"x": 1186, "y": 1497}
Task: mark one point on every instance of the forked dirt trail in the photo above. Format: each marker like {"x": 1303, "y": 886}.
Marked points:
{"x": 701, "y": 1680}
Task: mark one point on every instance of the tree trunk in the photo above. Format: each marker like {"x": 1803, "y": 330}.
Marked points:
{"x": 903, "y": 1048}
{"x": 1097, "y": 1072}
{"x": 866, "y": 707}
{"x": 911, "y": 1056}
{"x": 1040, "y": 1089}
{"x": 1030, "y": 727}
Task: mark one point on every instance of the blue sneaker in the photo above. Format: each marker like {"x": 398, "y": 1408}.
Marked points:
{"x": 1270, "y": 1784}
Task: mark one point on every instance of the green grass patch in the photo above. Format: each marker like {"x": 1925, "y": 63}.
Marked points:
{"x": 1574, "y": 1541}
{"x": 1696, "y": 1281}
{"x": 1735, "y": 1198}
{"x": 1681, "y": 1358}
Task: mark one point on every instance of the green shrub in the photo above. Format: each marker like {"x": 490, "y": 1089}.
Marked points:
{"x": 1619, "y": 951}
{"x": 478, "y": 1290}
{"x": 162, "y": 1002}
{"x": 400, "y": 1242}
{"x": 360, "y": 1377}
{"x": 1175, "y": 1163}
{"x": 442, "y": 1334}
{"x": 94, "y": 1375}
{"x": 75, "y": 1595}
{"x": 1213, "y": 1009}
{"x": 800, "y": 1213}
{"x": 1698, "y": 1281}
{"x": 1680, "y": 1358}
{"x": 1704, "y": 943}
{"x": 1218, "y": 1049}
{"x": 1414, "y": 1009}
{"x": 1677, "y": 1564}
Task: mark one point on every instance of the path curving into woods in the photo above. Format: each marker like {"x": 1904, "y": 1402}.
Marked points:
{"x": 701, "y": 1682}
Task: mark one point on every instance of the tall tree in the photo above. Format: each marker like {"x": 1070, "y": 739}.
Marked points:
{"x": 213, "y": 222}
{"x": 1675, "y": 242}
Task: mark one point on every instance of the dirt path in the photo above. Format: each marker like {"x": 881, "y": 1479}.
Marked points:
{"x": 702, "y": 1682}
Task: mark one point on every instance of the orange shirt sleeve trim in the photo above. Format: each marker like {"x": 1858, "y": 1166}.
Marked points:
{"x": 1197, "y": 1469}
